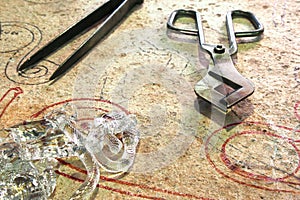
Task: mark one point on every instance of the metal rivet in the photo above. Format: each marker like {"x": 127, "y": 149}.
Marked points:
{"x": 219, "y": 49}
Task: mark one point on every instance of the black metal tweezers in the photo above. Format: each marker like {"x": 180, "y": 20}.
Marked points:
{"x": 112, "y": 11}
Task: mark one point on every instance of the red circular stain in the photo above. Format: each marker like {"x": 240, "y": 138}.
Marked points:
{"x": 220, "y": 161}
{"x": 228, "y": 161}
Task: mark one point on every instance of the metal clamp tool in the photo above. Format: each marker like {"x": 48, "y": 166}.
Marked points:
{"x": 223, "y": 85}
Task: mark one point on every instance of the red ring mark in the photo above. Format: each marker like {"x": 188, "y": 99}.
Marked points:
{"x": 179, "y": 194}
{"x": 17, "y": 91}
{"x": 80, "y": 99}
{"x": 246, "y": 174}
{"x": 234, "y": 179}
{"x": 296, "y": 110}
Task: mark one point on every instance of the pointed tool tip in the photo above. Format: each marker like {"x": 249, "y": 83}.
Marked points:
{"x": 54, "y": 76}
{"x": 24, "y": 66}
{"x": 21, "y": 68}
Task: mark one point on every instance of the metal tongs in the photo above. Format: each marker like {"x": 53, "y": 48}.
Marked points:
{"x": 223, "y": 85}
{"x": 112, "y": 11}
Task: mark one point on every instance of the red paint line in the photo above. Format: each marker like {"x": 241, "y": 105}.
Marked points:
{"x": 71, "y": 166}
{"x": 245, "y": 174}
{"x": 135, "y": 184}
{"x": 208, "y": 156}
{"x": 79, "y": 99}
{"x": 153, "y": 188}
{"x": 17, "y": 90}
{"x": 239, "y": 181}
{"x": 179, "y": 194}
{"x": 247, "y": 184}
{"x": 110, "y": 188}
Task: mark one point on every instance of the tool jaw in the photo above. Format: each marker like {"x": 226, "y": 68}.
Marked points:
{"x": 223, "y": 86}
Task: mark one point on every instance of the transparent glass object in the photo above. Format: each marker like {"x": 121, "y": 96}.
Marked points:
{"x": 21, "y": 179}
{"x": 27, "y": 163}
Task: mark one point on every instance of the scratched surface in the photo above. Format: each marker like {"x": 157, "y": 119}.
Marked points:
{"x": 185, "y": 152}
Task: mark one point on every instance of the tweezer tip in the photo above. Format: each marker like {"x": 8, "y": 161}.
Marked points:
{"x": 21, "y": 67}
{"x": 54, "y": 76}
{"x": 25, "y": 66}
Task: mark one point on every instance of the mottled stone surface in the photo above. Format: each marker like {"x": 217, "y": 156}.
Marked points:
{"x": 183, "y": 153}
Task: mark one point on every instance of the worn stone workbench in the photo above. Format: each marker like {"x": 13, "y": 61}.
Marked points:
{"x": 140, "y": 68}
